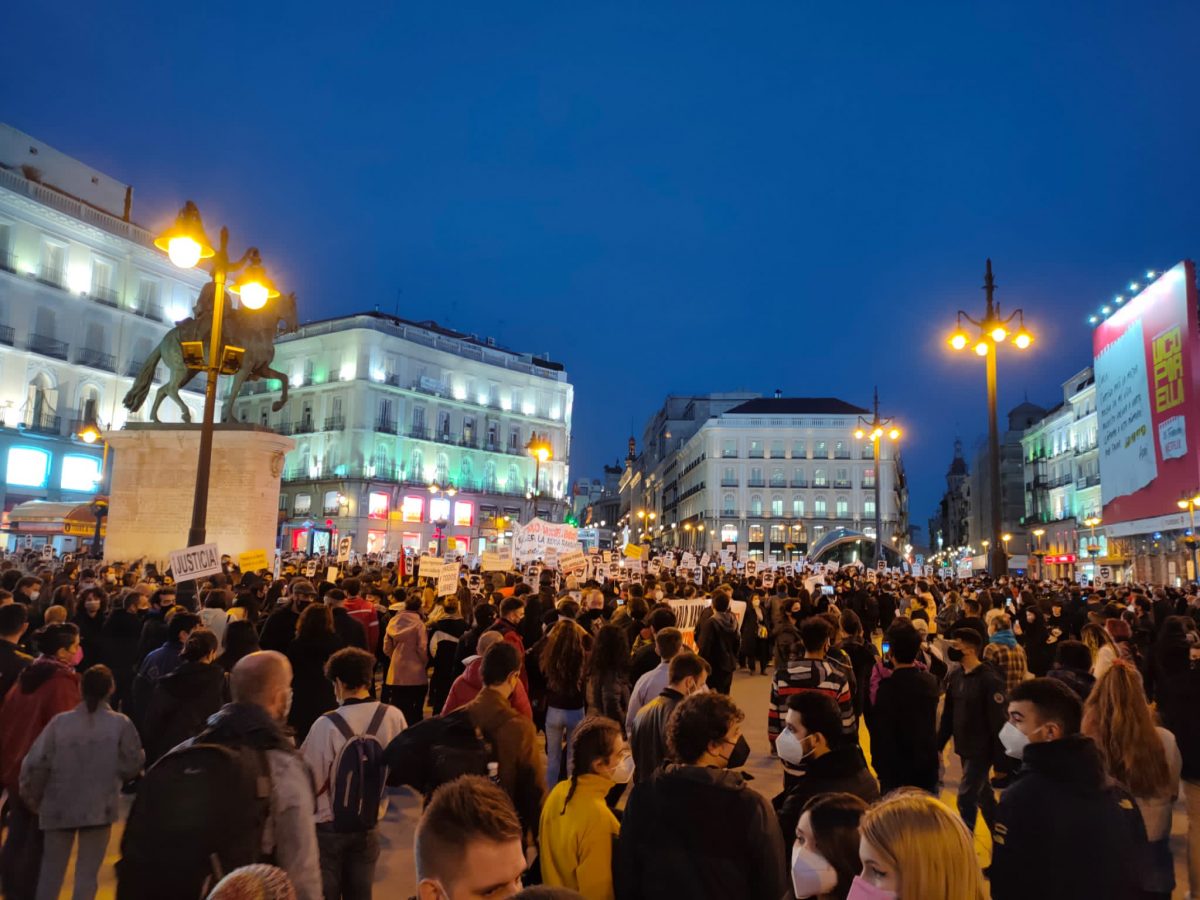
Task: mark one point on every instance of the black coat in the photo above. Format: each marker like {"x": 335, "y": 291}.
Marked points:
{"x": 700, "y": 833}
{"x": 279, "y": 630}
{"x": 974, "y": 713}
{"x": 349, "y": 629}
{"x": 903, "y": 723}
{"x": 180, "y": 704}
{"x": 1180, "y": 711}
{"x": 717, "y": 642}
{"x": 751, "y": 619}
{"x": 312, "y": 692}
{"x": 13, "y": 661}
{"x": 862, "y": 660}
{"x": 91, "y": 639}
{"x": 1063, "y": 832}
{"x": 154, "y": 632}
{"x": 841, "y": 769}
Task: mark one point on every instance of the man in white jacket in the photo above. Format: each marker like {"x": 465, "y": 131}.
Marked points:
{"x": 347, "y": 857}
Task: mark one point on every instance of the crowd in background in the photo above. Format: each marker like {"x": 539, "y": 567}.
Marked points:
{"x": 572, "y": 734}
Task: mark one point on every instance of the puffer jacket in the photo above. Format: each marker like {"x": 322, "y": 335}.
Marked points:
{"x": 43, "y": 690}
{"x": 405, "y": 643}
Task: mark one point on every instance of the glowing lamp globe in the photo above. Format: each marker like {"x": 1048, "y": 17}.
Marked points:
{"x": 1023, "y": 339}
{"x": 981, "y": 349}
{"x": 958, "y": 340}
{"x": 999, "y": 334}
{"x": 185, "y": 242}
{"x": 184, "y": 252}
{"x": 254, "y": 295}
{"x": 894, "y": 434}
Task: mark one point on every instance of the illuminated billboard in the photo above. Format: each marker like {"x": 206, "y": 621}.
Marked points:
{"x": 1148, "y": 399}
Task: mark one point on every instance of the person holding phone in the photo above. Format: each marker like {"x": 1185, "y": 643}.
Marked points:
{"x": 903, "y": 718}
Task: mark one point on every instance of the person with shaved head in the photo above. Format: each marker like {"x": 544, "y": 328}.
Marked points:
{"x": 254, "y": 724}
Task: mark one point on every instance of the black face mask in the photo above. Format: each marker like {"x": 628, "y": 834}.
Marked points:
{"x": 954, "y": 654}
{"x": 739, "y": 754}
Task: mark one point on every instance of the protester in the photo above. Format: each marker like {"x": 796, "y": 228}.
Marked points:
{"x": 344, "y": 750}
{"x": 444, "y": 635}
{"x": 1102, "y": 647}
{"x": 162, "y": 661}
{"x": 667, "y": 643}
{"x": 1072, "y": 666}
{"x": 1062, "y": 790}
{"x": 182, "y": 701}
{"x": 71, "y": 778}
{"x": 349, "y": 630}
{"x": 903, "y": 721}
{"x": 688, "y": 674}
{"x": 755, "y": 635}
{"x": 717, "y": 643}
{"x": 406, "y": 646}
{"x": 121, "y": 633}
{"x": 562, "y": 663}
{"x": 468, "y": 844}
{"x": 812, "y": 739}
{"x": 1005, "y": 653}
{"x": 467, "y": 685}
{"x": 825, "y": 853}
{"x": 279, "y": 630}
{"x": 89, "y": 619}
{"x": 913, "y": 847}
{"x": 607, "y": 687}
{"x": 1143, "y": 758}
{"x": 577, "y": 828}
{"x": 241, "y": 639}
{"x": 671, "y": 846}
{"x": 1178, "y": 709}
{"x": 154, "y": 626}
{"x": 14, "y": 619}
{"x": 214, "y": 615}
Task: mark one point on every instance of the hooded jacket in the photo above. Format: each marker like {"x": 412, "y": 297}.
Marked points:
{"x": 180, "y": 705}
{"x": 467, "y": 685}
{"x": 514, "y": 740}
{"x": 43, "y": 690}
{"x": 1063, "y": 831}
{"x": 405, "y": 643}
{"x": 699, "y": 832}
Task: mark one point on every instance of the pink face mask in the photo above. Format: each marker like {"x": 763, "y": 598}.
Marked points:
{"x": 76, "y": 657}
{"x": 861, "y": 889}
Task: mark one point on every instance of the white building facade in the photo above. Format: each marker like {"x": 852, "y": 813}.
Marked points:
{"x": 411, "y": 436}
{"x": 769, "y": 477}
{"x": 84, "y": 300}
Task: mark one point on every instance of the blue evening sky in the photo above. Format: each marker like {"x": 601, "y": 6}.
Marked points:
{"x": 667, "y": 197}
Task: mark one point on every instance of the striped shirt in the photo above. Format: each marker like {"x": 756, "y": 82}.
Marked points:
{"x": 802, "y": 674}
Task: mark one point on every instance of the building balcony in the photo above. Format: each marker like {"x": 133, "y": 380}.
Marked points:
{"x": 733, "y": 483}
{"x": 43, "y": 424}
{"x": 1089, "y": 481}
{"x": 842, "y": 483}
{"x": 385, "y": 425}
{"x": 820, "y": 483}
{"x": 729, "y": 455}
{"x": 305, "y": 426}
{"x": 149, "y": 311}
{"x": 104, "y": 296}
{"x": 47, "y": 346}
{"x": 756, "y": 483}
{"x": 799, "y": 482}
{"x": 445, "y": 437}
{"x": 335, "y": 423}
{"x": 8, "y": 261}
{"x": 51, "y": 277}
{"x": 96, "y": 359}
{"x": 756, "y": 454}
{"x": 868, "y": 483}
{"x": 7, "y": 335}
{"x": 284, "y": 428}
{"x": 842, "y": 454}
{"x": 417, "y": 432}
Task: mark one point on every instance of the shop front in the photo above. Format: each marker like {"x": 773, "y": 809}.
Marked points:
{"x": 65, "y": 527}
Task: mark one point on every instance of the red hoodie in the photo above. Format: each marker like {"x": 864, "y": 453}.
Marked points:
{"x": 470, "y": 683}
{"x": 364, "y": 613}
{"x": 43, "y": 690}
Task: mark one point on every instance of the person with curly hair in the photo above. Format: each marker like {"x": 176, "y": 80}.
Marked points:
{"x": 608, "y": 675}
{"x": 563, "y": 663}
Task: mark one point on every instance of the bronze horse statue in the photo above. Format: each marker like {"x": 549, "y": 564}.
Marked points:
{"x": 254, "y": 330}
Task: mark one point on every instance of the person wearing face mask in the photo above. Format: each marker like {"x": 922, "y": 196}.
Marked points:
{"x": 1180, "y": 712}
{"x": 812, "y": 740}
{"x": 903, "y": 719}
{"x": 973, "y": 714}
{"x": 45, "y": 688}
{"x": 468, "y": 843}
{"x": 577, "y": 827}
{"x": 825, "y": 853}
{"x": 1063, "y": 790}
{"x": 912, "y": 847}
{"x": 694, "y": 828}
{"x": 199, "y": 852}
{"x": 89, "y": 617}
{"x": 280, "y": 627}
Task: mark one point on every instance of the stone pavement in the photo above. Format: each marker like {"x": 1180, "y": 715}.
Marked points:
{"x": 395, "y": 874}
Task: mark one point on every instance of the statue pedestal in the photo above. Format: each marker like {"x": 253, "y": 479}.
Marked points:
{"x": 153, "y": 481}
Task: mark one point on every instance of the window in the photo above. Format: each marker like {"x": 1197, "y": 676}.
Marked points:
{"x": 80, "y": 473}
{"x": 798, "y": 478}
{"x": 842, "y": 507}
{"x": 841, "y": 450}
{"x": 756, "y": 477}
{"x": 443, "y": 427}
{"x": 778, "y": 535}
{"x": 464, "y": 513}
{"x": 869, "y": 507}
{"x": 799, "y": 450}
{"x": 53, "y": 259}
{"x": 778, "y": 479}
{"x": 411, "y": 509}
{"x": 756, "y": 506}
{"x": 28, "y": 467}
{"x": 439, "y": 509}
{"x": 441, "y": 473}
{"x": 102, "y": 279}
{"x": 283, "y": 502}
{"x": 416, "y": 468}
{"x": 729, "y": 534}
{"x": 841, "y": 478}
{"x": 514, "y": 439}
{"x": 756, "y": 449}
{"x": 798, "y": 507}
{"x": 819, "y": 509}
{"x": 728, "y": 506}
{"x": 755, "y": 534}
{"x": 377, "y": 505}
{"x": 147, "y": 296}
{"x": 821, "y": 450}
{"x": 776, "y": 449}
{"x": 777, "y": 506}
{"x": 729, "y": 449}
{"x": 332, "y": 505}
{"x": 820, "y": 478}
{"x": 868, "y": 450}
{"x": 303, "y": 505}
{"x": 729, "y": 477}
{"x": 418, "y": 421}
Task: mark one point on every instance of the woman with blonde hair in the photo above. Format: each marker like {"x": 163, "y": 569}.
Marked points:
{"x": 1143, "y": 757}
{"x": 1102, "y": 647}
{"x": 913, "y": 847}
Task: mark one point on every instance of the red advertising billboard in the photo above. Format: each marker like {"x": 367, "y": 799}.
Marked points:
{"x": 1148, "y": 398}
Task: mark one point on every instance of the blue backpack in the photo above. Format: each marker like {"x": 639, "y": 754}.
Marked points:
{"x": 359, "y": 776}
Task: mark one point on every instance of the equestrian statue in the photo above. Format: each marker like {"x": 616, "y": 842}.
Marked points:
{"x": 254, "y": 330}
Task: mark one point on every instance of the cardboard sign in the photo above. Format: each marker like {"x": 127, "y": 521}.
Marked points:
{"x": 331, "y": 574}
{"x": 343, "y": 550}
{"x": 429, "y": 567}
{"x": 606, "y": 555}
{"x": 751, "y": 568}
{"x": 253, "y": 561}
{"x": 447, "y": 583}
{"x": 633, "y": 551}
{"x": 705, "y": 559}
{"x": 652, "y": 567}
{"x": 310, "y": 568}
{"x": 497, "y": 560}
{"x": 475, "y": 583}
{"x": 573, "y": 562}
{"x": 191, "y": 563}
{"x": 47, "y": 551}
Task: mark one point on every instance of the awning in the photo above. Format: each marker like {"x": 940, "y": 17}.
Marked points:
{"x": 42, "y": 517}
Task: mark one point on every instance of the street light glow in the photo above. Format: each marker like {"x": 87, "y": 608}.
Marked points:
{"x": 959, "y": 339}
{"x": 981, "y": 349}
{"x": 999, "y": 333}
{"x": 183, "y": 251}
{"x": 185, "y": 242}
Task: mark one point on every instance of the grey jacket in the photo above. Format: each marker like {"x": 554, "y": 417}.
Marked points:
{"x": 73, "y": 773}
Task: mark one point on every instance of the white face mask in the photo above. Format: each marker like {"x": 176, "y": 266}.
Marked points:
{"x": 623, "y": 773}
{"x": 33, "y": 595}
{"x": 1014, "y": 740}
{"x": 812, "y": 874}
{"x": 790, "y": 748}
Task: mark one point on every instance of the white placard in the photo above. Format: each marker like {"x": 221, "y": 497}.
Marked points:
{"x": 429, "y": 567}
{"x": 447, "y": 582}
{"x": 497, "y": 560}
{"x": 191, "y": 563}
{"x": 343, "y": 553}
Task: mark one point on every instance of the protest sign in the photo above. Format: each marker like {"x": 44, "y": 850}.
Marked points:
{"x": 447, "y": 582}
{"x": 191, "y": 563}
{"x": 253, "y": 561}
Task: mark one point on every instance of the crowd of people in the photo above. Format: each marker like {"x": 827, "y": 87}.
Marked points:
{"x": 577, "y": 738}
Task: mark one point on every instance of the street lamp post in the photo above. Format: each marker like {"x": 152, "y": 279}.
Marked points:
{"x": 89, "y": 433}
{"x": 1006, "y": 538}
{"x": 1189, "y": 502}
{"x": 1093, "y": 548}
{"x": 646, "y": 524}
{"x": 1039, "y": 553}
{"x": 993, "y": 331}
{"x": 875, "y": 430}
{"x": 441, "y": 522}
{"x": 186, "y": 244}
{"x": 539, "y": 448}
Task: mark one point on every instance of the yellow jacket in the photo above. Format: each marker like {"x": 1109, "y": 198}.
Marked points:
{"x": 576, "y": 847}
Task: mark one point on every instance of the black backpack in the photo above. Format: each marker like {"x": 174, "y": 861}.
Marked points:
{"x": 438, "y": 750}
{"x": 359, "y": 775}
{"x": 199, "y": 814}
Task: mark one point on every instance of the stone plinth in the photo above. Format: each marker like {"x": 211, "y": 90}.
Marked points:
{"x": 154, "y": 478}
